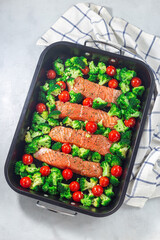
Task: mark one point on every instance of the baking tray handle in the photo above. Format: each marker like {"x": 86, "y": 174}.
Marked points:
{"x": 56, "y": 211}
{"x": 105, "y": 43}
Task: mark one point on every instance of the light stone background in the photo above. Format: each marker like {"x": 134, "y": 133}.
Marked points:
{"x": 21, "y": 24}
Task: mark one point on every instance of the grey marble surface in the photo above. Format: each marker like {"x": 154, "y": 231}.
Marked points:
{"x": 21, "y": 24}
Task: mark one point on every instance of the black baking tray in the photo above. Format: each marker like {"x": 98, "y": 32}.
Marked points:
{"x": 66, "y": 50}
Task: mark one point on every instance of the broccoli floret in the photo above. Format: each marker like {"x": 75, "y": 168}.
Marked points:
{"x": 115, "y": 111}
{"x": 50, "y": 107}
{"x": 34, "y": 127}
{"x": 105, "y": 200}
{"x": 45, "y": 187}
{"x": 98, "y": 103}
{"x": 101, "y": 128}
{"x": 54, "y": 114}
{"x": 120, "y": 126}
{"x": 114, "y": 181}
{"x": 77, "y": 62}
{"x": 53, "y": 190}
{"x": 103, "y": 78}
{"x": 93, "y": 68}
{"x": 53, "y": 122}
{"x": 96, "y": 202}
{"x": 138, "y": 91}
{"x": 134, "y": 102}
{"x": 44, "y": 115}
{"x": 54, "y": 177}
{"x": 84, "y": 60}
{"x": 32, "y": 168}
{"x": 124, "y": 86}
{"x": 64, "y": 191}
{"x": 45, "y": 128}
{"x": 130, "y": 112}
{"x": 44, "y": 141}
{"x": 108, "y": 158}
{"x": 73, "y": 72}
{"x": 83, "y": 153}
{"x": 102, "y": 67}
{"x": 120, "y": 149}
{"x": 92, "y": 78}
{"x": 37, "y": 181}
{"x": 28, "y": 137}
{"x": 86, "y": 201}
{"x": 75, "y": 151}
{"x": 67, "y": 121}
{"x": 51, "y": 99}
{"x": 90, "y": 194}
{"x": 115, "y": 161}
{"x": 76, "y": 124}
{"x": 58, "y": 66}
{"x": 106, "y": 132}
{"x": 37, "y": 119}
{"x": 55, "y": 90}
{"x": 57, "y": 146}
{"x": 31, "y": 147}
{"x": 123, "y": 101}
{"x": 68, "y": 63}
{"x": 70, "y": 81}
{"x": 117, "y": 76}
{"x": 75, "y": 97}
{"x": 85, "y": 185}
{"x": 106, "y": 169}
{"x": 20, "y": 169}
{"x": 45, "y": 87}
{"x": 42, "y": 97}
{"x": 126, "y": 137}
{"x": 126, "y": 74}
{"x": 109, "y": 191}
{"x": 96, "y": 157}
{"x": 37, "y": 133}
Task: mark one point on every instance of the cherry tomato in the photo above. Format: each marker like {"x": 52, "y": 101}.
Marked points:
{"x": 67, "y": 174}
{"x": 45, "y": 170}
{"x": 131, "y": 122}
{"x": 111, "y": 70}
{"x": 113, "y": 83}
{"x": 91, "y": 127}
{"x": 116, "y": 171}
{"x": 114, "y": 136}
{"x": 51, "y": 74}
{"x": 64, "y": 96}
{"x": 40, "y": 107}
{"x": 74, "y": 186}
{"x": 61, "y": 84}
{"x": 86, "y": 70}
{"x": 88, "y": 102}
{"x": 77, "y": 196}
{"x": 25, "y": 182}
{"x": 104, "y": 181}
{"x": 136, "y": 82}
{"x": 97, "y": 190}
{"x": 66, "y": 148}
{"x": 27, "y": 159}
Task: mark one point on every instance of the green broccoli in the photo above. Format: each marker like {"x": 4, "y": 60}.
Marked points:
{"x": 44, "y": 115}
{"x": 53, "y": 122}
{"x": 105, "y": 200}
{"x": 114, "y": 181}
{"x": 73, "y": 72}
{"x": 96, "y": 157}
{"x": 54, "y": 177}
{"x": 76, "y": 124}
{"x": 45, "y": 128}
{"x": 130, "y": 112}
{"x": 85, "y": 185}
{"x": 120, "y": 126}
{"x": 45, "y": 187}
{"x": 37, "y": 119}
{"x": 42, "y": 97}
{"x": 101, "y": 129}
{"x": 77, "y": 62}
{"x": 53, "y": 190}
{"x": 36, "y": 133}
{"x": 28, "y": 137}
{"x": 90, "y": 194}
{"x": 108, "y": 158}
{"x": 106, "y": 132}
{"x": 83, "y": 153}
{"x": 120, "y": 149}
{"x": 20, "y": 169}
{"x": 57, "y": 146}
{"x": 134, "y": 102}
{"x": 109, "y": 191}
{"x": 50, "y": 107}
{"x": 96, "y": 202}
{"x": 126, "y": 137}
{"x": 93, "y": 68}
{"x": 115, "y": 161}
{"x": 64, "y": 191}
{"x": 70, "y": 81}
{"x": 92, "y": 78}
{"x": 102, "y": 67}
{"x": 117, "y": 76}
{"x": 34, "y": 127}
{"x": 32, "y": 168}
{"x": 55, "y": 90}
{"x": 37, "y": 181}
{"x": 103, "y": 78}
{"x": 67, "y": 121}
{"x": 115, "y": 111}
{"x": 98, "y": 103}
{"x": 38, "y": 142}
{"x": 138, "y": 91}
{"x": 124, "y": 86}
{"x": 45, "y": 87}
{"x": 54, "y": 114}
{"x": 86, "y": 201}
{"x": 75, "y": 151}
{"x": 123, "y": 101}
{"x": 126, "y": 74}
{"x": 106, "y": 169}
{"x": 31, "y": 147}
{"x": 68, "y": 63}
{"x": 51, "y": 99}
{"x": 58, "y": 66}
{"x": 75, "y": 97}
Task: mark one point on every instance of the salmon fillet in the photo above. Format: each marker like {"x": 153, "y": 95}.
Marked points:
{"x": 94, "y": 90}
{"x": 96, "y": 143}
{"x": 83, "y": 113}
{"x": 62, "y": 161}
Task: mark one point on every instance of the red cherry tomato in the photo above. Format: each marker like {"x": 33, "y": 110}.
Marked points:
{"x": 51, "y": 74}
{"x": 40, "y": 107}
{"x": 61, "y": 84}
{"x": 45, "y": 170}
{"x": 113, "y": 83}
{"x": 88, "y": 102}
{"x": 86, "y": 70}
{"x": 77, "y": 196}
{"x": 116, "y": 171}
{"x": 104, "y": 181}
{"x": 66, "y": 148}
{"x": 74, "y": 186}
{"x": 91, "y": 127}
{"x": 111, "y": 70}
{"x": 114, "y": 136}
{"x": 136, "y": 82}
{"x": 25, "y": 182}
{"x": 67, "y": 174}
{"x": 27, "y": 159}
{"x": 64, "y": 96}
{"x": 97, "y": 190}
{"x": 131, "y": 122}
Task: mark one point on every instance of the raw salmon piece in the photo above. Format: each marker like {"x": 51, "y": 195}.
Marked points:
{"x": 94, "y": 90}
{"x": 62, "y": 161}
{"x": 83, "y": 113}
{"x": 80, "y": 138}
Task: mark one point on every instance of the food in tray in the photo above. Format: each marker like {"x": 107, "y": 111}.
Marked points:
{"x": 81, "y": 131}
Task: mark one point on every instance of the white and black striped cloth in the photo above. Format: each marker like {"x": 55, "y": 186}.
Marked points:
{"x": 91, "y": 22}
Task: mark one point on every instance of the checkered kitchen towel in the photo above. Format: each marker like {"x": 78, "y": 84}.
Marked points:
{"x": 91, "y": 22}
